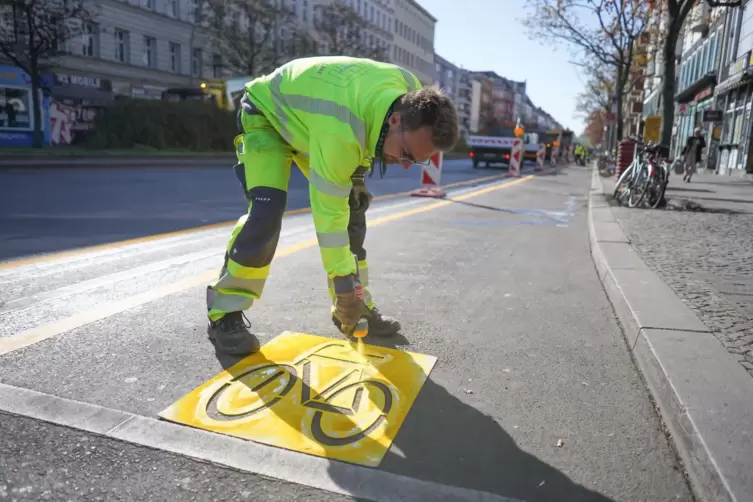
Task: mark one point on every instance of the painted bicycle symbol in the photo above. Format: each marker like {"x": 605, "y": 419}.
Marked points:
{"x": 349, "y": 406}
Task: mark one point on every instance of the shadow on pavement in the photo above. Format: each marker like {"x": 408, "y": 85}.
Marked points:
{"x": 448, "y": 442}
{"x": 671, "y": 188}
{"x": 555, "y": 172}
{"x": 517, "y": 212}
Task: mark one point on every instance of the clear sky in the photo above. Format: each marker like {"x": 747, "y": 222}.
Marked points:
{"x": 489, "y": 35}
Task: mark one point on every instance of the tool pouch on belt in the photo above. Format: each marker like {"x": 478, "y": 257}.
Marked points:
{"x": 360, "y": 197}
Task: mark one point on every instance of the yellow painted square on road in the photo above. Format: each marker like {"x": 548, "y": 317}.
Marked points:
{"x": 311, "y": 394}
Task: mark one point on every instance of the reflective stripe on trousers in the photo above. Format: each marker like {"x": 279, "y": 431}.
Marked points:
{"x": 264, "y": 173}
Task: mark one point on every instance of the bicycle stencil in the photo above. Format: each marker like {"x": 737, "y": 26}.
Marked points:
{"x": 313, "y": 395}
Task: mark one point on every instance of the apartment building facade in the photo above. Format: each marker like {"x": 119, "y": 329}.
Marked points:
{"x": 734, "y": 93}
{"x": 136, "y": 48}
{"x": 447, "y": 77}
{"x": 379, "y": 16}
{"x": 713, "y": 86}
{"x": 697, "y": 77}
{"x": 413, "y": 47}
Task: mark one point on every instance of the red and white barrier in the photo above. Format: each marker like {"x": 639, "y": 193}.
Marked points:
{"x": 516, "y": 157}
{"x": 540, "y": 157}
{"x": 431, "y": 175}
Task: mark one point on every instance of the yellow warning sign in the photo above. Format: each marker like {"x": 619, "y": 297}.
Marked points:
{"x": 652, "y": 128}
{"x": 311, "y": 394}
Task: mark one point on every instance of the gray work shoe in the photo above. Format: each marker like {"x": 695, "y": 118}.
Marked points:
{"x": 380, "y": 326}
{"x": 230, "y": 335}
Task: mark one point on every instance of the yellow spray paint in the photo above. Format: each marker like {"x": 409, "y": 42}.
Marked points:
{"x": 313, "y": 395}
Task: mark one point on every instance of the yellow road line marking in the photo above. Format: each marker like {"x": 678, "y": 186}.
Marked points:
{"x": 79, "y": 319}
{"x": 150, "y": 238}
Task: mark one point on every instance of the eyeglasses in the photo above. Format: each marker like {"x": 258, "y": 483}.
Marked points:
{"x": 407, "y": 156}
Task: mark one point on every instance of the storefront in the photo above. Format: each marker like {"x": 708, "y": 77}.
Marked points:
{"x": 693, "y": 102}
{"x": 17, "y": 109}
{"x": 76, "y": 100}
{"x": 733, "y": 97}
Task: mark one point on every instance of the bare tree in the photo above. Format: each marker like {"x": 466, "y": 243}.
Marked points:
{"x": 345, "y": 33}
{"x": 32, "y": 32}
{"x": 255, "y": 36}
{"x": 603, "y": 32}
{"x": 598, "y": 92}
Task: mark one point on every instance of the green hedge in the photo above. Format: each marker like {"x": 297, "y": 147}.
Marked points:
{"x": 192, "y": 125}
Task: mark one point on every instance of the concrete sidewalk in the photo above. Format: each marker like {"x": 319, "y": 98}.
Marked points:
{"x": 694, "y": 361}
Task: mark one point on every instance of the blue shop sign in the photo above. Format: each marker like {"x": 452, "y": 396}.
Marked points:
{"x": 16, "y": 107}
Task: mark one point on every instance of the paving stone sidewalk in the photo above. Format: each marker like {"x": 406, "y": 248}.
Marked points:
{"x": 702, "y": 247}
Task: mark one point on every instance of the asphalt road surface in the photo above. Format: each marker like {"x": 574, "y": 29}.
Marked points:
{"x": 44, "y": 210}
{"x": 497, "y": 283}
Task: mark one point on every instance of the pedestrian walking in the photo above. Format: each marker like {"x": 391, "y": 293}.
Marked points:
{"x": 692, "y": 153}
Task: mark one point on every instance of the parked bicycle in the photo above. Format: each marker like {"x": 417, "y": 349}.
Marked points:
{"x": 645, "y": 178}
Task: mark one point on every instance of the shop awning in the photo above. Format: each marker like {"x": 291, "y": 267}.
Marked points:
{"x": 81, "y": 92}
{"x": 733, "y": 82}
{"x": 689, "y": 93}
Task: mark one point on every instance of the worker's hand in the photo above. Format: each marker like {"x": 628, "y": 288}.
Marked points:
{"x": 349, "y": 309}
{"x": 360, "y": 197}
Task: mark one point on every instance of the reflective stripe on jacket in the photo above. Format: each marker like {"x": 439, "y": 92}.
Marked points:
{"x": 331, "y": 110}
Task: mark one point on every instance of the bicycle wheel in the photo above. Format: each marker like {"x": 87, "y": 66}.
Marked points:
{"x": 656, "y": 188}
{"x": 371, "y": 403}
{"x": 254, "y": 390}
{"x": 622, "y": 187}
{"x": 640, "y": 187}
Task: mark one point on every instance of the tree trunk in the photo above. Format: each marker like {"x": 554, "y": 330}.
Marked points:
{"x": 619, "y": 94}
{"x": 668, "y": 86}
{"x": 36, "y": 139}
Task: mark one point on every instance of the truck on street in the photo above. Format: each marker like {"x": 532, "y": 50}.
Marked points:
{"x": 495, "y": 146}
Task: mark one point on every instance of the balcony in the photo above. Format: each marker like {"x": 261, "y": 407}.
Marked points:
{"x": 700, "y": 18}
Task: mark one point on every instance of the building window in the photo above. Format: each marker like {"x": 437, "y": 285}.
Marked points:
{"x": 122, "y": 47}
{"x": 712, "y": 53}
{"x": 216, "y": 66}
{"x": 19, "y": 102}
{"x": 397, "y": 23}
{"x": 173, "y": 9}
{"x": 305, "y": 10}
{"x": 150, "y": 52}
{"x": 174, "y": 57}
{"x": 197, "y": 61}
{"x": 89, "y": 40}
{"x": 150, "y": 4}
{"x": 294, "y": 7}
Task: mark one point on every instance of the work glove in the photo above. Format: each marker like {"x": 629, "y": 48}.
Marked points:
{"x": 349, "y": 309}
{"x": 360, "y": 197}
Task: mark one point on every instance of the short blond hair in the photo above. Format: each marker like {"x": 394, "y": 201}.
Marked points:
{"x": 431, "y": 107}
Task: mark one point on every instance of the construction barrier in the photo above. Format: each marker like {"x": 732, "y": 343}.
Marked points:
{"x": 516, "y": 157}
{"x": 626, "y": 150}
{"x": 431, "y": 175}
{"x": 540, "y": 157}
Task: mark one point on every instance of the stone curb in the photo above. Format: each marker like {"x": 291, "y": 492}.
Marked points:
{"x": 704, "y": 396}
{"x": 362, "y": 483}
